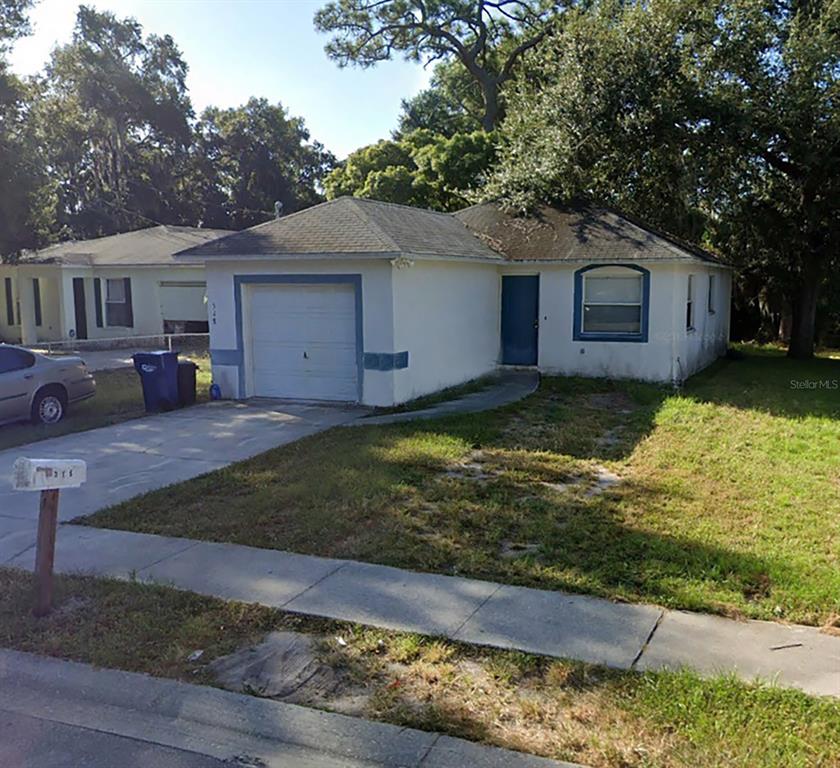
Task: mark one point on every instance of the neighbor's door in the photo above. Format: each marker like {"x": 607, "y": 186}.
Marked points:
{"x": 520, "y": 319}
{"x": 80, "y": 308}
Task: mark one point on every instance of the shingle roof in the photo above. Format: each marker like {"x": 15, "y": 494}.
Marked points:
{"x": 143, "y": 247}
{"x": 575, "y": 233}
{"x": 350, "y": 226}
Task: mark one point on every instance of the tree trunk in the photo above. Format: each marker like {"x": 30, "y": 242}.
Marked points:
{"x": 785, "y": 323}
{"x": 805, "y": 312}
{"x": 490, "y": 92}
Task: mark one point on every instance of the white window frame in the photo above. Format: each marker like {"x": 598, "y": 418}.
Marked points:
{"x": 585, "y": 303}
{"x": 710, "y": 302}
{"x": 109, "y": 300}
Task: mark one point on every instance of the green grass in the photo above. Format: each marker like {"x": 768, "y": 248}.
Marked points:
{"x": 729, "y": 500}
{"x": 119, "y": 397}
{"x": 566, "y": 710}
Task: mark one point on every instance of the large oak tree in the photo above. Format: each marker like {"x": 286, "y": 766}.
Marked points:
{"x": 717, "y": 120}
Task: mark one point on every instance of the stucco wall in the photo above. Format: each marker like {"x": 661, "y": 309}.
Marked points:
{"x": 446, "y": 316}
{"x": 145, "y": 298}
{"x": 377, "y": 317}
{"x": 709, "y": 337}
{"x": 24, "y": 301}
{"x": 58, "y": 308}
{"x": 669, "y": 345}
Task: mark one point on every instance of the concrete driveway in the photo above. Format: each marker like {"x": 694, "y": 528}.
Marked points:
{"x": 137, "y": 456}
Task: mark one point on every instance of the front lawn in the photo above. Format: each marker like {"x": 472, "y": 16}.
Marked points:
{"x": 566, "y": 710}
{"x": 722, "y": 498}
{"x": 119, "y": 397}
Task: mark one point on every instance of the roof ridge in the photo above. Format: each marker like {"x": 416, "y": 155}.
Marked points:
{"x": 360, "y": 213}
{"x": 374, "y": 201}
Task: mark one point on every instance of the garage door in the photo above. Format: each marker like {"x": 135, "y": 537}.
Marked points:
{"x": 181, "y": 301}
{"x": 303, "y": 341}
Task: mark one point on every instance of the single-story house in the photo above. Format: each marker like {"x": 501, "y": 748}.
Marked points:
{"x": 121, "y": 285}
{"x": 362, "y": 301}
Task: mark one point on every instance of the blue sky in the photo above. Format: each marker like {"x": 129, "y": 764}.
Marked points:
{"x": 236, "y": 49}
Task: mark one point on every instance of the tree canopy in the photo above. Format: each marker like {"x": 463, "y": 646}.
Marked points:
{"x": 18, "y": 172}
{"x": 105, "y": 140}
{"x": 719, "y": 121}
{"x": 476, "y": 33}
{"x": 420, "y": 168}
{"x": 256, "y": 155}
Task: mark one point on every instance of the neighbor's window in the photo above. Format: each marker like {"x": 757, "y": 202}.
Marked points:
{"x": 711, "y": 299}
{"x": 612, "y": 301}
{"x": 689, "y": 305}
{"x": 118, "y": 302}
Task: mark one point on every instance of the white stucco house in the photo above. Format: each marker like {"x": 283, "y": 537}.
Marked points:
{"x": 362, "y": 301}
{"x": 121, "y": 285}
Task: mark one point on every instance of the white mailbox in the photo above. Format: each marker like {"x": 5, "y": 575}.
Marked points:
{"x": 48, "y": 474}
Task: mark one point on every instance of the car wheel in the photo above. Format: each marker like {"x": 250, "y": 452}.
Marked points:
{"x": 49, "y": 407}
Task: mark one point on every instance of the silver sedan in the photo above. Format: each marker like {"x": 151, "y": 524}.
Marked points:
{"x": 40, "y": 388}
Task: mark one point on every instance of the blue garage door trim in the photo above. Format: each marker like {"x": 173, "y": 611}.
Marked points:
{"x": 354, "y": 280}
{"x": 578, "y": 333}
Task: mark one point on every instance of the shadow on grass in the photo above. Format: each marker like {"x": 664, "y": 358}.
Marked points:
{"x": 766, "y": 380}
{"x": 451, "y": 495}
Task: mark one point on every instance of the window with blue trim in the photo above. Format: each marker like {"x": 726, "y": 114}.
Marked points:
{"x": 611, "y": 303}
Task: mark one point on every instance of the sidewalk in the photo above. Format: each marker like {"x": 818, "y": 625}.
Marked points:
{"x": 57, "y": 713}
{"x": 621, "y": 635}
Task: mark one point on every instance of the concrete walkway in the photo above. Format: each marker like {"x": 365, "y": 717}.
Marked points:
{"x": 511, "y": 385}
{"x": 621, "y": 635}
{"x": 55, "y": 714}
{"x": 125, "y": 460}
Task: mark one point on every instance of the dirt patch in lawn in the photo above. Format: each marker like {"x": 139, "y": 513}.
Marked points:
{"x": 631, "y": 491}
{"x": 565, "y": 710}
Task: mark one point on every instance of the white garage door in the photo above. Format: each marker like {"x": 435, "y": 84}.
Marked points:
{"x": 182, "y": 301}
{"x": 303, "y": 341}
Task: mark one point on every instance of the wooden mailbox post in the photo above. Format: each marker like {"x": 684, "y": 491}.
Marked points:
{"x": 48, "y": 476}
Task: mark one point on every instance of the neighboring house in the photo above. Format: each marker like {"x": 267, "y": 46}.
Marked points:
{"x": 362, "y": 301}
{"x": 120, "y": 285}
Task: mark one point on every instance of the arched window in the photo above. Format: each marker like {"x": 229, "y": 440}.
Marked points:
{"x": 611, "y": 303}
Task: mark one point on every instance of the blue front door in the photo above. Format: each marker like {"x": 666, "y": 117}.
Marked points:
{"x": 520, "y": 319}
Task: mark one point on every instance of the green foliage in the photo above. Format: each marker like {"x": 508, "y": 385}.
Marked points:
{"x": 478, "y": 35}
{"x": 718, "y": 121}
{"x": 253, "y": 156}
{"x": 113, "y": 116}
{"x": 105, "y": 141}
{"x": 451, "y": 104}
{"x": 19, "y": 174}
{"x": 14, "y": 22}
{"x": 420, "y": 168}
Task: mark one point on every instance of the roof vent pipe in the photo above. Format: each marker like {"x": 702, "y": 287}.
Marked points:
{"x": 278, "y": 209}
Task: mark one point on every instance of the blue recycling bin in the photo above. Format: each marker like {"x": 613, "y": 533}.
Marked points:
{"x": 159, "y": 375}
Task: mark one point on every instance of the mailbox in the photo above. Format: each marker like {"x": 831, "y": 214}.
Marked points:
{"x": 48, "y": 474}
